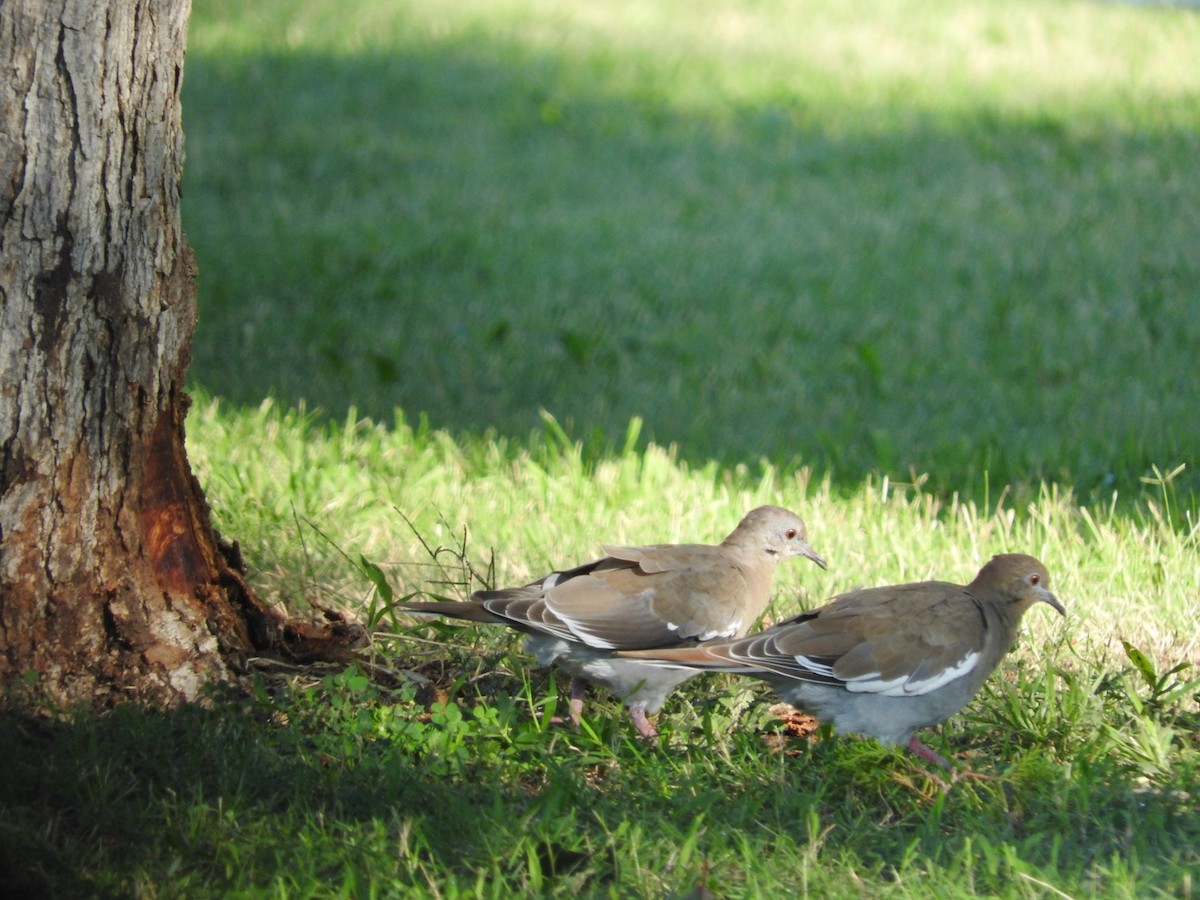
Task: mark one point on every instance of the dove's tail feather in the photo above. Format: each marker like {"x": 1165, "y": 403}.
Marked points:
{"x": 452, "y": 609}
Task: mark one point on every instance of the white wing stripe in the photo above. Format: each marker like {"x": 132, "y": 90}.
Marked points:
{"x": 823, "y": 669}
{"x": 905, "y": 686}
{"x": 580, "y": 629}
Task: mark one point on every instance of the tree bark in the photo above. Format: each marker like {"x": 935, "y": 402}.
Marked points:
{"x": 113, "y": 582}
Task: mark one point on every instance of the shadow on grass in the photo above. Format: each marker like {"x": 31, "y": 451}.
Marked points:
{"x": 479, "y": 231}
{"x": 209, "y": 797}
{"x": 252, "y": 796}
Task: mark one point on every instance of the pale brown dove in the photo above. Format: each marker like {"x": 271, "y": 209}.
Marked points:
{"x": 886, "y": 661}
{"x": 661, "y": 595}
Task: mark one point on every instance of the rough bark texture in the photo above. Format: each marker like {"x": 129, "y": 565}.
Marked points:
{"x": 112, "y": 581}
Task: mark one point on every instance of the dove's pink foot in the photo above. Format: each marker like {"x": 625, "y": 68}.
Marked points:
{"x": 644, "y": 726}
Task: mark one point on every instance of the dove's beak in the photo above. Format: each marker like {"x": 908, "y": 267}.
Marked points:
{"x": 1046, "y": 597}
{"x": 812, "y": 554}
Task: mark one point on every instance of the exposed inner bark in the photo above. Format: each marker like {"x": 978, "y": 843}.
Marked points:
{"x": 182, "y": 547}
{"x": 190, "y": 559}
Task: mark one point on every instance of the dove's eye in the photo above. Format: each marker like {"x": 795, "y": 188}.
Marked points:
{"x": 790, "y": 534}
{"x": 1034, "y": 579}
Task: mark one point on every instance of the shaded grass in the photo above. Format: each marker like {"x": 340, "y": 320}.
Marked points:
{"x": 337, "y": 788}
{"x": 957, "y": 238}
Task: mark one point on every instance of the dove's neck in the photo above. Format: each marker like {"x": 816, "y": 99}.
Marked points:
{"x": 749, "y": 551}
{"x": 1002, "y": 620}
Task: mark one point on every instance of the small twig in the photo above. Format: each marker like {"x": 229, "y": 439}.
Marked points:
{"x": 408, "y": 638}
{"x": 313, "y": 525}
{"x": 470, "y": 573}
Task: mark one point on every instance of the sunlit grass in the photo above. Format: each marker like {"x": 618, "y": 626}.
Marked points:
{"x": 918, "y": 55}
{"x": 299, "y": 494}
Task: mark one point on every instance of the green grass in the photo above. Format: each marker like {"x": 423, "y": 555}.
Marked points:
{"x": 301, "y": 495}
{"x": 330, "y": 783}
{"x": 335, "y": 787}
{"x": 934, "y": 235}
{"x": 924, "y": 272}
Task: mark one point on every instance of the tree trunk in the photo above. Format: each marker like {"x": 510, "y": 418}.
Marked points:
{"x": 112, "y": 581}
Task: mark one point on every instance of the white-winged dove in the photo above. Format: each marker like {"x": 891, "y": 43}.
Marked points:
{"x": 662, "y": 595}
{"x": 886, "y": 661}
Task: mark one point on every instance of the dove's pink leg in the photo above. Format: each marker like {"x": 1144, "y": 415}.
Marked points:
{"x": 925, "y": 753}
{"x": 644, "y": 726}
{"x": 578, "y": 692}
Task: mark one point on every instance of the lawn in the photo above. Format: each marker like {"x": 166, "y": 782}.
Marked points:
{"x": 484, "y": 285}
{"x": 951, "y": 237}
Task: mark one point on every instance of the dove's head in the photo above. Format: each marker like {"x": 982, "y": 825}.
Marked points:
{"x": 1016, "y": 581}
{"x": 776, "y": 531}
